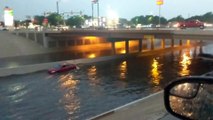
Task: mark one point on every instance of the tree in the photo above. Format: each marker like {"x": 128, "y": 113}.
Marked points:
{"x": 76, "y": 21}
{"x": 208, "y": 17}
{"x": 177, "y": 19}
{"x": 38, "y": 19}
{"x": 55, "y": 19}
{"x": 123, "y": 22}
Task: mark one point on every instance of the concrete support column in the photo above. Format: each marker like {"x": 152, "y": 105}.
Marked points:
{"x": 17, "y": 33}
{"x": 180, "y": 42}
{"x": 74, "y": 42}
{"x": 152, "y": 44}
{"x": 201, "y": 49}
{"x": 35, "y": 37}
{"x": 195, "y": 52}
{"x": 172, "y": 42}
{"x": 27, "y": 34}
{"x": 127, "y": 46}
{"x": 113, "y": 48}
{"x": 57, "y": 43}
{"x": 180, "y": 52}
{"x": 145, "y": 44}
{"x": 66, "y": 43}
{"x": 45, "y": 40}
{"x": 201, "y": 42}
{"x": 163, "y": 43}
{"x": 83, "y": 42}
{"x": 140, "y": 45}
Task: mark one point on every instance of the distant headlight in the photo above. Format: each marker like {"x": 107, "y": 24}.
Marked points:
{"x": 176, "y": 25}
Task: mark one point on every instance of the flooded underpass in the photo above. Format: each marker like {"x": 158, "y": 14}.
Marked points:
{"x": 96, "y": 87}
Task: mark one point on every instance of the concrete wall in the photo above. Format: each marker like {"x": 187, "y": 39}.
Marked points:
{"x": 45, "y": 66}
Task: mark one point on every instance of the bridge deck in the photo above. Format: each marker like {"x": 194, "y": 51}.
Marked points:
{"x": 138, "y": 34}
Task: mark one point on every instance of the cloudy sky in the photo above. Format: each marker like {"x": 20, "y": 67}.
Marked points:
{"x": 124, "y": 8}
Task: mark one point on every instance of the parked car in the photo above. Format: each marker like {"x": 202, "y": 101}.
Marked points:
{"x": 191, "y": 24}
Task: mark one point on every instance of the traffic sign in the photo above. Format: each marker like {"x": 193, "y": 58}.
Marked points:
{"x": 159, "y": 2}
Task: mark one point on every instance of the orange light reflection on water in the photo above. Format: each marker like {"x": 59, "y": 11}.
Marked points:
{"x": 122, "y": 52}
{"x": 90, "y": 37}
{"x": 70, "y": 100}
{"x": 120, "y": 45}
{"x": 184, "y": 63}
{"x": 123, "y": 70}
{"x": 155, "y": 72}
{"x": 92, "y": 55}
{"x": 92, "y": 75}
{"x": 188, "y": 43}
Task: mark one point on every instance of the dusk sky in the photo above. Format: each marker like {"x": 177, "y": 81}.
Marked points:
{"x": 124, "y": 8}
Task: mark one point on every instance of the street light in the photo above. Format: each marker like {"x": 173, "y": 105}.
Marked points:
{"x": 159, "y": 3}
{"x": 95, "y": 2}
{"x": 57, "y": 6}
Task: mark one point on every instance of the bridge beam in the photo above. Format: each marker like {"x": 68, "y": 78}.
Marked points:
{"x": 140, "y": 45}
{"x": 172, "y": 42}
{"x": 152, "y": 44}
{"x": 201, "y": 49}
{"x": 180, "y": 42}
{"x": 35, "y": 37}
{"x": 113, "y": 47}
{"x": 127, "y": 46}
{"x": 163, "y": 43}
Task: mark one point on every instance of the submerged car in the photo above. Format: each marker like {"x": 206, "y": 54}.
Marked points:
{"x": 62, "y": 68}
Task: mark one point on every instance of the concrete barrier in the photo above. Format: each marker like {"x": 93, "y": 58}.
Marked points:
{"x": 45, "y": 66}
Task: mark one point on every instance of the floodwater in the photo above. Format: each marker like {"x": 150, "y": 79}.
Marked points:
{"x": 94, "y": 88}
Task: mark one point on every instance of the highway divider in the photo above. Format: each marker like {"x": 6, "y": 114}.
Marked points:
{"x": 45, "y": 66}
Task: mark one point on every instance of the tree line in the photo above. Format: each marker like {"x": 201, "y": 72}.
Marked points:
{"x": 55, "y": 19}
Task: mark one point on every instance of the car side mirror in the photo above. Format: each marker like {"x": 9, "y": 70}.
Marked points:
{"x": 190, "y": 98}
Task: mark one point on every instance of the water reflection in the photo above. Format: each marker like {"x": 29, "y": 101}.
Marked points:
{"x": 123, "y": 70}
{"x": 184, "y": 63}
{"x": 122, "y": 51}
{"x": 156, "y": 72}
{"x": 92, "y": 55}
{"x": 188, "y": 43}
{"x": 19, "y": 89}
{"x": 13, "y": 65}
{"x": 70, "y": 99}
{"x": 92, "y": 75}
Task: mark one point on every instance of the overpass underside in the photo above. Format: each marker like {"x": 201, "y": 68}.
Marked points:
{"x": 144, "y": 39}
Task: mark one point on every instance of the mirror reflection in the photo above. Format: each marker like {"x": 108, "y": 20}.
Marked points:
{"x": 185, "y": 90}
{"x": 192, "y": 100}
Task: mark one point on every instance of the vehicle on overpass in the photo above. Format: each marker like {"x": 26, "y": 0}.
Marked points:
{"x": 190, "y": 24}
{"x": 190, "y": 98}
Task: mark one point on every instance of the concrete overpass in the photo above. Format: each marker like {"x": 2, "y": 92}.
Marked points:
{"x": 73, "y": 37}
{"x": 138, "y": 34}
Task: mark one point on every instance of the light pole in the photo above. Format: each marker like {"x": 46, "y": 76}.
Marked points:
{"x": 92, "y": 14}
{"x": 98, "y": 12}
{"x": 159, "y": 15}
{"x": 95, "y": 2}
{"x": 57, "y": 6}
{"x": 159, "y": 3}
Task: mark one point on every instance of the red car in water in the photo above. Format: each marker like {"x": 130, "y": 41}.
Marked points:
{"x": 62, "y": 68}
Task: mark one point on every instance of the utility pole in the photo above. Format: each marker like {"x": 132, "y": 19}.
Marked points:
{"x": 98, "y": 12}
{"x": 159, "y": 3}
{"x": 92, "y": 14}
{"x": 159, "y": 15}
{"x": 95, "y": 2}
{"x": 57, "y": 6}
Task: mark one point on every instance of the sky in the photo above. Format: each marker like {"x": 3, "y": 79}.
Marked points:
{"x": 124, "y": 8}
